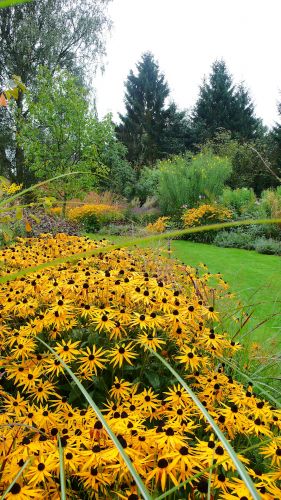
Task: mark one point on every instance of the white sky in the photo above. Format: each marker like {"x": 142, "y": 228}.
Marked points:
{"x": 186, "y": 36}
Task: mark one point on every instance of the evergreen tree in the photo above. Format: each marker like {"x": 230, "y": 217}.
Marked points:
{"x": 150, "y": 129}
{"x": 275, "y": 147}
{"x": 178, "y": 136}
{"x": 221, "y": 105}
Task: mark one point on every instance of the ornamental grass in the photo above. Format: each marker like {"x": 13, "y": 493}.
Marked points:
{"x": 106, "y": 322}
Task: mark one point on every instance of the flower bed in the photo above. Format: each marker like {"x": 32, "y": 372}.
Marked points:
{"x": 105, "y": 316}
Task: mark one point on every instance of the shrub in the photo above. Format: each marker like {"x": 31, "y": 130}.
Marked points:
{"x": 205, "y": 214}
{"x": 234, "y": 239}
{"x": 268, "y": 246}
{"x": 94, "y": 216}
{"x": 188, "y": 181}
{"x": 271, "y": 202}
{"x": 240, "y": 201}
{"x": 146, "y": 186}
{"x": 42, "y": 222}
{"x": 159, "y": 226}
{"x": 131, "y": 230}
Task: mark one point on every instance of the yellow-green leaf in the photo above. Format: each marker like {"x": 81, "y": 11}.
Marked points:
{"x": 19, "y": 213}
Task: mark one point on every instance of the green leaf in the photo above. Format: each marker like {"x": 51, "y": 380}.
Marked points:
{"x": 62, "y": 471}
{"x": 19, "y": 213}
{"x": 153, "y": 378}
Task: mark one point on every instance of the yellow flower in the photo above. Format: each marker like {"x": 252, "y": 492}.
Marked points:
{"x": 162, "y": 473}
{"x": 121, "y": 353}
{"x": 23, "y": 492}
{"x": 42, "y": 468}
{"x": 90, "y": 360}
{"x": 67, "y": 350}
{"x": 120, "y": 388}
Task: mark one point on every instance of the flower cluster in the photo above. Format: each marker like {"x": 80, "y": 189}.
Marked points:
{"x": 104, "y": 316}
{"x": 103, "y": 212}
{"x": 159, "y": 226}
{"x": 8, "y": 188}
{"x": 205, "y": 214}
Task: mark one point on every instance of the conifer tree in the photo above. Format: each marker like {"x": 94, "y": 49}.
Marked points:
{"x": 221, "y": 105}
{"x": 149, "y": 123}
{"x": 275, "y": 146}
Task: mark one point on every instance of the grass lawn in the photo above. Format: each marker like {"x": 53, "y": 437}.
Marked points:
{"x": 255, "y": 278}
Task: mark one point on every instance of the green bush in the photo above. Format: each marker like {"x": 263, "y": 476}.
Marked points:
{"x": 146, "y": 186}
{"x": 271, "y": 202}
{"x": 241, "y": 200}
{"x": 234, "y": 239}
{"x": 187, "y": 181}
{"x": 268, "y": 246}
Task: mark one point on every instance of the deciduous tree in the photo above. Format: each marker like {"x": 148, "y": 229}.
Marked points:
{"x": 62, "y": 135}
{"x": 52, "y": 33}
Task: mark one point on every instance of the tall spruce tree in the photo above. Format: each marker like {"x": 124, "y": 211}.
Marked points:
{"x": 221, "y": 105}
{"x": 150, "y": 129}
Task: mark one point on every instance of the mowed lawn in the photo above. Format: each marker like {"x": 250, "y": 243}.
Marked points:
{"x": 255, "y": 279}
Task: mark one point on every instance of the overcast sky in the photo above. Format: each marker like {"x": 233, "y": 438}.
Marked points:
{"x": 186, "y": 36}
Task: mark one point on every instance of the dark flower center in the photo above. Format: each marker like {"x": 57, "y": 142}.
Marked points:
{"x": 162, "y": 463}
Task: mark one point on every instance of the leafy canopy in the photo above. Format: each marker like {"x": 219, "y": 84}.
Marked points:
{"x": 61, "y": 134}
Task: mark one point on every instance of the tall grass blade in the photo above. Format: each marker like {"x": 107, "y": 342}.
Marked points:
{"x": 62, "y": 471}
{"x": 15, "y": 479}
{"x": 100, "y": 416}
{"x": 35, "y": 186}
{"x": 11, "y": 3}
{"x": 130, "y": 243}
{"x": 210, "y": 480}
{"x": 250, "y": 379}
{"x": 238, "y": 464}
{"x": 264, "y": 367}
{"x": 174, "y": 489}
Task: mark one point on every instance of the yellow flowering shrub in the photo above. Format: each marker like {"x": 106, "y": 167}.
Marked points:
{"x": 83, "y": 211}
{"x": 101, "y": 315}
{"x": 159, "y": 226}
{"x": 205, "y": 214}
{"x": 55, "y": 211}
{"x": 93, "y": 216}
{"x": 7, "y": 188}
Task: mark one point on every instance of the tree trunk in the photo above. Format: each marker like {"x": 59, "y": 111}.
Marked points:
{"x": 64, "y": 206}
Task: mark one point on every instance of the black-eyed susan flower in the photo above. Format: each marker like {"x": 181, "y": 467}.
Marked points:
{"x": 67, "y": 350}
{"x": 161, "y": 473}
{"x": 90, "y": 360}
{"x": 121, "y": 353}
{"x": 120, "y": 388}
{"x": 150, "y": 340}
{"x": 24, "y": 492}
